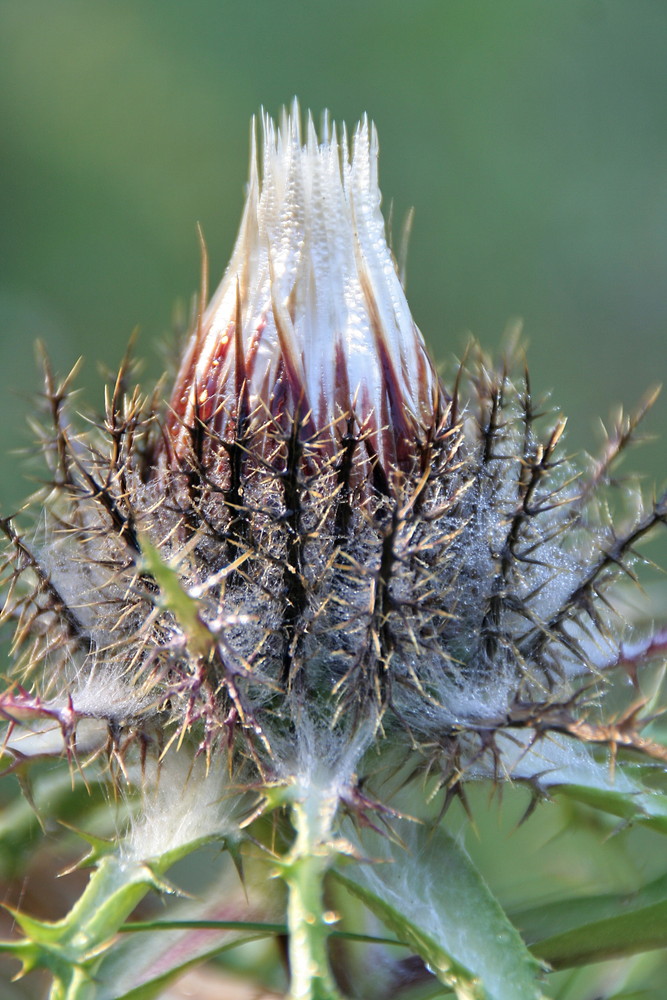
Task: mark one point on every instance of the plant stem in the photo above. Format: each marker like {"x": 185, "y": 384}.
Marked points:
{"x": 313, "y": 811}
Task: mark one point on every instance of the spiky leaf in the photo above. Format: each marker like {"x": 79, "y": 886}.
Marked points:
{"x": 435, "y": 901}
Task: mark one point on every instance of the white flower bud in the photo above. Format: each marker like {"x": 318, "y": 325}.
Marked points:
{"x": 310, "y": 319}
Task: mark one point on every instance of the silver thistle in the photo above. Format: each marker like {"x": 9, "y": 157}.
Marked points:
{"x": 314, "y": 545}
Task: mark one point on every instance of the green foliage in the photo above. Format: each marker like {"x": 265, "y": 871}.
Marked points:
{"x": 420, "y": 885}
{"x": 592, "y": 928}
{"x": 71, "y": 948}
{"x": 437, "y": 904}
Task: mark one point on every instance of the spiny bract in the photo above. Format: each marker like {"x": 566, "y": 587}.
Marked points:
{"x": 315, "y": 536}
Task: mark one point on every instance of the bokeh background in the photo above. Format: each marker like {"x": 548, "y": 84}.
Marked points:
{"x": 530, "y": 136}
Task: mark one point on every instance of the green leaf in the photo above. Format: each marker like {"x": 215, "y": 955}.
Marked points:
{"x": 53, "y": 795}
{"x": 144, "y": 962}
{"x": 635, "y": 995}
{"x": 631, "y": 801}
{"x": 565, "y": 767}
{"x": 435, "y": 902}
{"x": 72, "y": 948}
{"x": 578, "y": 931}
{"x": 175, "y": 598}
{"x": 133, "y": 957}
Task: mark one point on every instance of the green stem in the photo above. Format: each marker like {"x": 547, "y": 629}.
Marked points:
{"x": 73, "y": 948}
{"x": 309, "y": 926}
{"x": 113, "y": 891}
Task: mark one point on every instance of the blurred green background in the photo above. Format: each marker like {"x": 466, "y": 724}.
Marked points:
{"x": 529, "y": 135}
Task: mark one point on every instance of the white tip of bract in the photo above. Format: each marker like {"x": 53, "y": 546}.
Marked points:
{"x": 311, "y": 320}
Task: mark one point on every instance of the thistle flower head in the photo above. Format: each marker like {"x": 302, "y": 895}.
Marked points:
{"x": 315, "y": 544}
{"x": 310, "y": 322}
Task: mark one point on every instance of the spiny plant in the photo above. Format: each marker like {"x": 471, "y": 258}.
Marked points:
{"x": 314, "y": 578}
